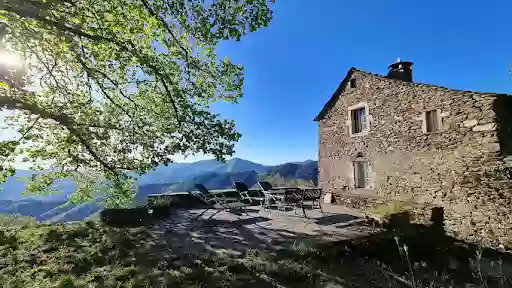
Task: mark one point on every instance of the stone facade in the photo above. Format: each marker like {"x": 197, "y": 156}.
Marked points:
{"x": 460, "y": 167}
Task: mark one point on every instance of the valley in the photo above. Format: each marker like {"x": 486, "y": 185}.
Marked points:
{"x": 177, "y": 177}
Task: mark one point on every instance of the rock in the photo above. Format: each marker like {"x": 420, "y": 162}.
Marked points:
{"x": 470, "y": 123}
{"x": 485, "y": 127}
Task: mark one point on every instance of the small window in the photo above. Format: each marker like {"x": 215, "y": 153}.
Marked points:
{"x": 431, "y": 121}
{"x": 358, "y": 119}
{"x": 361, "y": 174}
{"x": 353, "y": 83}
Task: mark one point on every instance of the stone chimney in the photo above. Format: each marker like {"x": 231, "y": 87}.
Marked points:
{"x": 400, "y": 70}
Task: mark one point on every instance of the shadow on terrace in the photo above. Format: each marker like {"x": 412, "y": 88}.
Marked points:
{"x": 248, "y": 253}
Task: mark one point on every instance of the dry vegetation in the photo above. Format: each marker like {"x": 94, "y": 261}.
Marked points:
{"x": 86, "y": 254}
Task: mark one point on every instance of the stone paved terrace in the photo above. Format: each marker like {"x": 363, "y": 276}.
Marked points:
{"x": 225, "y": 233}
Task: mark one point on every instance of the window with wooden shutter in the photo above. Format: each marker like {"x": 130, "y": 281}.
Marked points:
{"x": 431, "y": 120}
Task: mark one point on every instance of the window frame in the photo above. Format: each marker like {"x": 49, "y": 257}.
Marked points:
{"x": 432, "y": 120}
{"x": 367, "y": 179}
{"x": 366, "y": 123}
{"x": 353, "y": 83}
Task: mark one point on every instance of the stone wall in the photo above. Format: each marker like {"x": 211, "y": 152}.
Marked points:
{"x": 460, "y": 167}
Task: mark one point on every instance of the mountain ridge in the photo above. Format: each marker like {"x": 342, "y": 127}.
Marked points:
{"x": 178, "y": 177}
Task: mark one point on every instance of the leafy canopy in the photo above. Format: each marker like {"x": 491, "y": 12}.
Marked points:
{"x": 118, "y": 85}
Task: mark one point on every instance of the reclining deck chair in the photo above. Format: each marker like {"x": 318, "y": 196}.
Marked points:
{"x": 243, "y": 192}
{"x": 270, "y": 198}
{"x": 217, "y": 202}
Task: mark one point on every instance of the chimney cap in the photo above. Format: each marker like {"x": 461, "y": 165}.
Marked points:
{"x": 400, "y": 70}
{"x": 400, "y": 63}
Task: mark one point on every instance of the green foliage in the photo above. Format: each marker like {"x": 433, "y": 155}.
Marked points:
{"x": 16, "y": 221}
{"x": 73, "y": 255}
{"x": 6, "y": 172}
{"x": 119, "y": 85}
{"x": 386, "y": 209}
{"x": 159, "y": 201}
{"x": 277, "y": 180}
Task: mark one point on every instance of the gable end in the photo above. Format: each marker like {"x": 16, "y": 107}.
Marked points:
{"x": 334, "y": 98}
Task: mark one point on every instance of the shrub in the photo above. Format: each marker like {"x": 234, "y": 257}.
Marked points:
{"x": 159, "y": 201}
{"x": 159, "y": 206}
{"x": 18, "y": 221}
{"x": 125, "y": 216}
{"x": 385, "y": 210}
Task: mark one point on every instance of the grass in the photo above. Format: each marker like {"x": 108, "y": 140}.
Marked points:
{"x": 89, "y": 254}
{"x": 384, "y": 210}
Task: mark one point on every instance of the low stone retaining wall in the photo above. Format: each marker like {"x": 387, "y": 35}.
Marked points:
{"x": 459, "y": 225}
{"x": 355, "y": 201}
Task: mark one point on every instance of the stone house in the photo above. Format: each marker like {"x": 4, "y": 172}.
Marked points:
{"x": 388, "y": 138}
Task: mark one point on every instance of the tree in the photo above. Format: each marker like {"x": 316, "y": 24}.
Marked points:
{"x": 118, "y": 85}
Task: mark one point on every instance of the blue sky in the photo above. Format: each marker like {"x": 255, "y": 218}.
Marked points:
{"x": 293, "y": 66}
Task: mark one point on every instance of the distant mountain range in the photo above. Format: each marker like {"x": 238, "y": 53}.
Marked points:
{"x": 177, "y": 172}
{"x": 176, "y": 177}
{"x": 306, "y": 171}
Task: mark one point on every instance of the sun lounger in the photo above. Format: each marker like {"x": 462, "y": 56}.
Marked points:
{"x": 217, "y": 202}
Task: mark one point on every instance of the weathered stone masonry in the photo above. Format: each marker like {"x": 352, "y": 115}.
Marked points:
{"x": 461, "y": 167}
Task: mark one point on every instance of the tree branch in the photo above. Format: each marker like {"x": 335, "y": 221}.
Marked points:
{"x": 169, "y": 30}
{"x": 34, "y": 14}
{"x": 77, "y": 32}
{"x": 21, "y": 139}
{"x": 96, "y": 71}
{"x": 63, "y": 119}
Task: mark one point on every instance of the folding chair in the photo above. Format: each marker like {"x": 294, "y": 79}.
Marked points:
{"x": 220, "y": 196}
{"x": 267, "y": 189}
{"x": 243, "y": 192}
{"x": 215, "y": 202}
